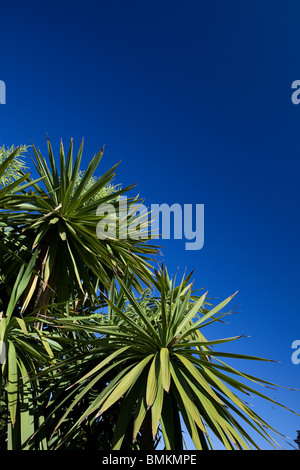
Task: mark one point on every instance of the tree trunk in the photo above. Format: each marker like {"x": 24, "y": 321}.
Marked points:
{"x": 147, "y": 442}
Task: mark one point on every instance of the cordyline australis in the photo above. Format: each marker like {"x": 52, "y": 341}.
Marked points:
{"x": 103, "y": 351}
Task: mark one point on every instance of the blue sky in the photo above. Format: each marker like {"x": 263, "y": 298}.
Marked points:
{"x": 194, "y": 98}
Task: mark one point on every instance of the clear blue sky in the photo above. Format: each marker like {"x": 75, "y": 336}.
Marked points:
{"x": 195, "y": 98}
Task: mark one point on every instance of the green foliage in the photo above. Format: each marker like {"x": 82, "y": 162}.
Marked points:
{"x": 16, "y": 165}
{"x": 103, "y": 351}
{"x": 56, "y": 222}
{"x": 150, "y": 357}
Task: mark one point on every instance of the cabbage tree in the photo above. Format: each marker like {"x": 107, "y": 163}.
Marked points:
{"x": 56, "y": 221}
{"x": 153, "y": 364}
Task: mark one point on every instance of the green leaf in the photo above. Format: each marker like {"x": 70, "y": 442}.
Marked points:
{"x": 134, "y": 398}
{"x": 199, "y": 377}
{"x": 205, "y": 317}
{"x": 156, "y": 408}
{"x": 191, "y": 314}
{"x": 124, "y": 384}
{"x": 152, "y": 381}
{"x": 140, "y": 413}
{"x": 185, "y": 393}
{"x": 165, "y": 368}
{"x": 13, "y": 382}
{"x": 103, "y": 363}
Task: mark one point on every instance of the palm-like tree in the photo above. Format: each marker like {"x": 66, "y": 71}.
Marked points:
{"x": 14, "y": 182}
{"x": 57, "y": 224}
{"x": 102, "y": 351}
{"x": 152, "y": 363}
{"x": 27, "y": 351}
{"x": 49, "y": 253}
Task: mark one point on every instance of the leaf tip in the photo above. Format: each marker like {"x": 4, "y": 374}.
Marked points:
{"x": 233, "y": 294}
